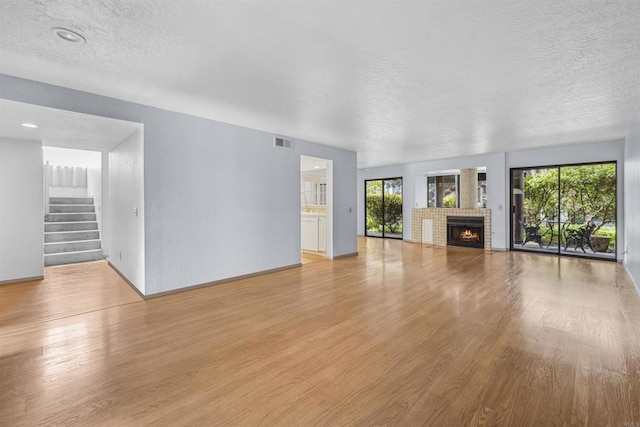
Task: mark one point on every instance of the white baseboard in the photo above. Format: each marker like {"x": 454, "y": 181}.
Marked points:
{"x": 634, "y": 282}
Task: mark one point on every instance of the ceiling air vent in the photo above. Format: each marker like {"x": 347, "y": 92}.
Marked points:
{"x": 281, "y": 142}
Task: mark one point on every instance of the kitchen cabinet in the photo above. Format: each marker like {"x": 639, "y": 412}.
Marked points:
{"x": 322, "y": 234}
{"x": 314, "y": 233}
{"x": 310, "y": 233}
{"x": 315, "y": 191}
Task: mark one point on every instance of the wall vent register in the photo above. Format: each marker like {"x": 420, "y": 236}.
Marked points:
{"x": 281, "y": 142}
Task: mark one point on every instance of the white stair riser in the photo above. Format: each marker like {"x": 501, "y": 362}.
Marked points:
{"x": 70, "y": 200}
{"x": 69, "y": 237}
{"x": 72, "y": 246}
{"x": 71, "y": 209}
{"x": 72, "y": 257}
{"x": 66, "y": 217}
{"x": 70, "y": 226}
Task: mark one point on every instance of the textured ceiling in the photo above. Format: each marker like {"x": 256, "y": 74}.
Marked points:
{"x": 396, "y": 81}
{"x": 65, "y": 129}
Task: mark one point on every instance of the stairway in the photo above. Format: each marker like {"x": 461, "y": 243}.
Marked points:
{"x": 71, "y": 231}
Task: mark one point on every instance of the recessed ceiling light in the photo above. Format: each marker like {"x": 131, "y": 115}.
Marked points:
{"x": 68, "y": 35}
{"x": 29, "y": 125}
{"x": 316, "y": 167}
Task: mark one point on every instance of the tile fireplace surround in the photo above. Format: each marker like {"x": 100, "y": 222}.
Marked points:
{"x": 439, "y": 218}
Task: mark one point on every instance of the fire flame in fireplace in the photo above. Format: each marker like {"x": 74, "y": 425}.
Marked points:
{"x": 469, "y": 236}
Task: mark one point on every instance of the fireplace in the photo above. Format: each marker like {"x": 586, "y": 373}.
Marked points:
{"x": 465, "y": 231}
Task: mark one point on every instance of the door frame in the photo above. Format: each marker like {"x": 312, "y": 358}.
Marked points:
{"x": 329, "y": 249}
{"x": 383, "y": 204}
{"x": 512, "y": 246}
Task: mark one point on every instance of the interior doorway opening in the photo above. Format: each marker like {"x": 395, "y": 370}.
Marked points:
{"x": 117, "y": 214}
{"x": 73, "y": 206}
{"x": 316, "y": 201}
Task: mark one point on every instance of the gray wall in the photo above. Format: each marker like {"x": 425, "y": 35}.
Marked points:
{"x": 21, "y": 209}
{"x": 220, "y": 200}
{"x": 632, "y": 201}
{"x": 125, "y": 213}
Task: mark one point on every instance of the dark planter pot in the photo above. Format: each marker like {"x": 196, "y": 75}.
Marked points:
{"x": 600, "y": 243}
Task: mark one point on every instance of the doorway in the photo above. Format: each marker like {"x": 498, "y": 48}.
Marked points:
{"x": 565, "y": 209}
{"x": 383, "y": 208}
{"x": 73, "y": 206}
{"x": 316, "y": 197}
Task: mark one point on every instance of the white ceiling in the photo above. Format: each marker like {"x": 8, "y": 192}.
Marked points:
{"x": 396, "y": 81}
{"x": 64, "y": 129}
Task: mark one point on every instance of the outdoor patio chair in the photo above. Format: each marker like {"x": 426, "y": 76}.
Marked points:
{"x": 579, "y": 237}
{"x": 532, "y": 235}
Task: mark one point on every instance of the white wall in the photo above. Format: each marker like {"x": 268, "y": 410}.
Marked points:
{"x": 21, "y": 209}
{"x": 219, "y": 200}
{"x": 92, "y": 160}
{"x": 580, "y": 153}
{"x": 94, "y": 183}
{"x": 126, "y": 194}
{"x": 495, "y": 169}
{"x": 414, "y": 188}
{"x": 67, "y": 191}
{"x": 632, "y": 201}
{"x": 105, "y": 230}
{"x": 498, "y": 169}
{"x": 69, "y": 157}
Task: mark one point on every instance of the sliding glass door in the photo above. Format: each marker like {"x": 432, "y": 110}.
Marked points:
{"x": 535, "y": 209}
{"x": 568, "y": 210}
{"x": 383, "y": 208}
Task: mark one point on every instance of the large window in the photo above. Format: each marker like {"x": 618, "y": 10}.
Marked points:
{"x": 383, "y": 208}
{"x": 444, "y": 191}
{"x": 568, "y": 209}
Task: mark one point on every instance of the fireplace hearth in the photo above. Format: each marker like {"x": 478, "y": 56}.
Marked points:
{"x": 465, "y": 231}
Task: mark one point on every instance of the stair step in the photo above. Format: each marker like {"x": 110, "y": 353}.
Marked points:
{"x": 71, "y": 246}
{"x": 71, "y": 208}
{"x": 71, "y": 236}
{"x": 66, "y": 217}
{"x": 72, "y": 257}
{"x": 71, "y": 232}
{"x": 70, "y": 200}
{"x": 70, "y": 226}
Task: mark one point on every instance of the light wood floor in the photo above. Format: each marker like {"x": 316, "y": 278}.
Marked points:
{"x": 308, "y": 258}
{"x": 67, "y": 290}
{"x": 401, "y": 334}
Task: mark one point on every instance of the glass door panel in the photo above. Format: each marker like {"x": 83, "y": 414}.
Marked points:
{"x": 588, "y": 210}
{"x": 393, "y": 208}
{"x": 374, "y": 216}
{"x": 383, "y": 208}
{"x": 535, "y": 209}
